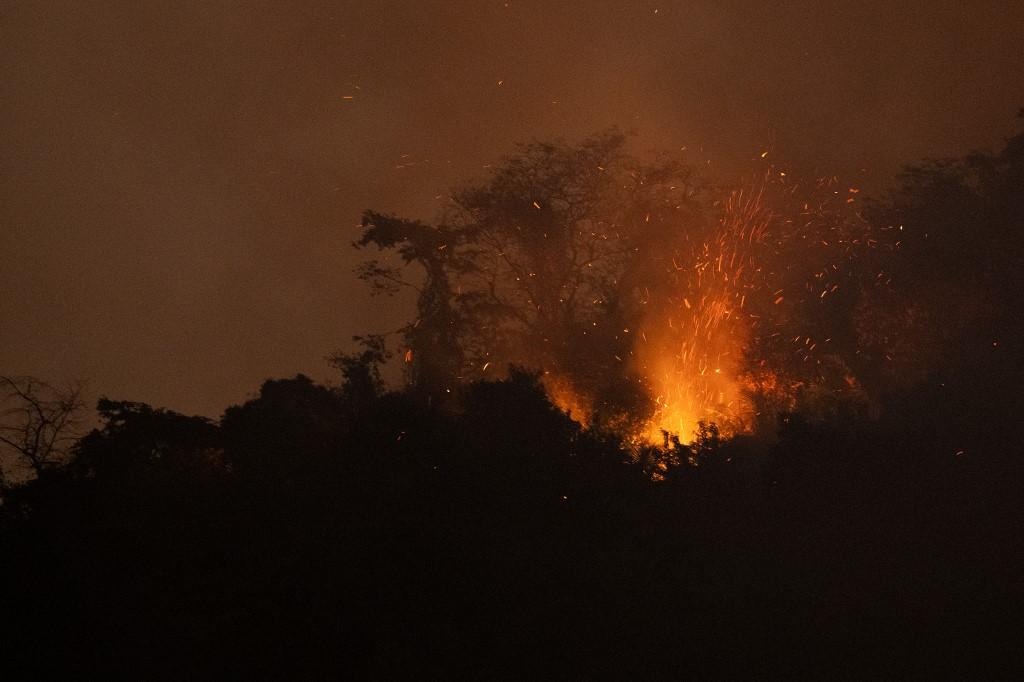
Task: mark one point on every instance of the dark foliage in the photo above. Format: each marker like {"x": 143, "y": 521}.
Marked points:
{"x": 302, "y": 538}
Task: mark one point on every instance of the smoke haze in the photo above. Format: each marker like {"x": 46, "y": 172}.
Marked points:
{"x": 179, "y": 185}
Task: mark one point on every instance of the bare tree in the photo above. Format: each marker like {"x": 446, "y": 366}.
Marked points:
{"x": 38, "y": 422}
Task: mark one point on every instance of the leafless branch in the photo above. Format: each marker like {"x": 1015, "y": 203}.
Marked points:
{"x": 38, "y": 422}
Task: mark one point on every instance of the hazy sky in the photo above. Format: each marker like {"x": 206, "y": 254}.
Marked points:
{"x": 180, "y": 181}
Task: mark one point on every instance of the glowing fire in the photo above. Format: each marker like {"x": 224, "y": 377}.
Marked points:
{"x": 562, "y": 394}
{"x": 728, "y": 338}
{"x": 692, "y": 359}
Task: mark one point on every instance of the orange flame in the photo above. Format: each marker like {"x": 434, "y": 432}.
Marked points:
{"x": 693, "y": 360}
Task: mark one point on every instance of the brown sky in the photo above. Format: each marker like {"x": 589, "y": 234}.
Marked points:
{"x": 179, "y": 181}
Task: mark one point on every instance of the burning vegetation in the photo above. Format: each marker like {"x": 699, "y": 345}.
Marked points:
{"x": 649, "y": 299}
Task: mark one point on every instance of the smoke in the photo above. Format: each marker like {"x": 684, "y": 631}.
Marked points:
{"x": 179, "y": 184}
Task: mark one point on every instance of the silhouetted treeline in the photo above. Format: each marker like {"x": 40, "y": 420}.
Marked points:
{"x": 351, "y": 532}
{"x": 305, "y": 536}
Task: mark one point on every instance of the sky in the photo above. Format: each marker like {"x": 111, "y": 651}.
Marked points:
{"x": 180, "y": 183}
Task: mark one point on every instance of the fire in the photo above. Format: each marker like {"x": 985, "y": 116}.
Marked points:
{"x": 651, "y": 300}
{"x": 735, "y": 330}
{"x": 566, "y": 398}
{"x": 694, "y": 358}
{"x": 690, "y": 352}
{"x": 688, "y": 392}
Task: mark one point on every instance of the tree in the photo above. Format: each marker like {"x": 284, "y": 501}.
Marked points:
{"x": 360, "y": 370}
{"x": 432, "y": 353}
{"x": 958, "y": 269}
{"x": 38, "y": 422}
{"x": 560, "y": 244}
{"x": 138, "y": 442}
{"x": 287, "y": 433}
{"x": 544, "y": 265}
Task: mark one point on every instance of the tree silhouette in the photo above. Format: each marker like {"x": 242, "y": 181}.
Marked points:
{"x": 140, "y": 444}
{"x": 432, "y": 352}
{"x": 360, "y": 371}
{"x": 38, "y": 422}
{"x": 958, "y": 267}
{"x": 544, "y": 265}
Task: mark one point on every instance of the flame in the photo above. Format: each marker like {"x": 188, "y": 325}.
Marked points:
{"x": 715, "y": 344}
{"x": 694, "y": 358}
{"x": 691, "y": 360}
{"x": 565, "y": 397}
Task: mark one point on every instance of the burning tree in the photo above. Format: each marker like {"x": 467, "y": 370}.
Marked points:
{"x": 564, "y": 241}
{"x": 547, "y": 265}
{"x": 755, "y": 315}
{"x": 647, "y": 298}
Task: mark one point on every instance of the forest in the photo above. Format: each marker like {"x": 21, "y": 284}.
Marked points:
{"x": 647, "y": 426}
